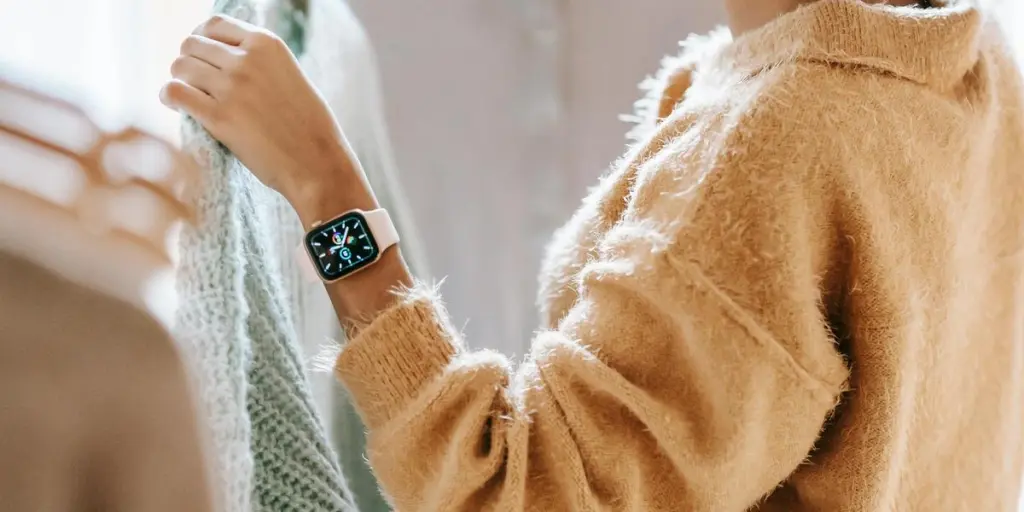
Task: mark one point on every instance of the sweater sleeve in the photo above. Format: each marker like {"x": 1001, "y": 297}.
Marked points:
{"x": 694, "y": 372}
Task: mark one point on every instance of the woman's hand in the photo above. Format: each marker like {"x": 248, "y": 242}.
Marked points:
{"x": 243, "y": 84}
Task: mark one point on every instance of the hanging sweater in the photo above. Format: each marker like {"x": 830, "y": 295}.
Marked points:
{"x": 802, "y": 289}
{"x": 268, "y": 443}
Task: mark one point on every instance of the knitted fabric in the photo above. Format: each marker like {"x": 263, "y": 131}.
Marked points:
{"x": 212, "y": 316}
{"x": 269, "y": 446}
{"x": 802, "y": 289}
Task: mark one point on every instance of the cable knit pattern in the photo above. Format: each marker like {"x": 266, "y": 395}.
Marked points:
{"x": 269, "y": 445}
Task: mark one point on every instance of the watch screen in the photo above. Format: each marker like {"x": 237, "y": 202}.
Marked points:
{"x": 342, "y": 246}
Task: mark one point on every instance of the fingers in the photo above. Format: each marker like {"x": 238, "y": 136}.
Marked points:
{"x": 199, "y": 74}
{"x": 237, "y": 33}
{"x": 225, "y": 29}
{"x": 181, "y": 96}
{"x": 218, "y": 54}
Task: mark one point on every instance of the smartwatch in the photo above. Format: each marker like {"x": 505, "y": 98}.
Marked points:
{"x": 349, "y": 242}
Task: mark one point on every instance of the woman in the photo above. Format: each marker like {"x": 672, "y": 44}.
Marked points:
{"x": 802, "y": 290}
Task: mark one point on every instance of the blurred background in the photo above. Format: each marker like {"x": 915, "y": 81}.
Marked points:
{"x": 500, "y": 113}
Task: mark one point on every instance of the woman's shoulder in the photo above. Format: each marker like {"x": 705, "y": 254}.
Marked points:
{"x": 758, "y": 139}
{"x": 783, "y": 114}
{"x": 702, "y": 90}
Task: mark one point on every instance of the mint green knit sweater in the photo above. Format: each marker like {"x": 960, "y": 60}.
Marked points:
{"x": 269, "y": 447}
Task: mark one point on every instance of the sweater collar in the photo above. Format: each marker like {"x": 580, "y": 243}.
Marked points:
{"x": 932, "y": 46}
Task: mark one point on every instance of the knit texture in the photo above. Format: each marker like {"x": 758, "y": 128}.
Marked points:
{"x": 269, "y": 445}
{"x": 211, "y": 319}
{"x": 802, "y": 289}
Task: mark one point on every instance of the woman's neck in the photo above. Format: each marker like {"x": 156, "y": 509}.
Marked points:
{"x": 747, "y": 15}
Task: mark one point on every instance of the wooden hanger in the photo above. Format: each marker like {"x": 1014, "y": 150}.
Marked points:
{"x": 98, "y": 207}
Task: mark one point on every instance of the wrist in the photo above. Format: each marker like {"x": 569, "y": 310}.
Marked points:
{"x": 339, "y": 186}
{"x": 359, "y": 298}
{"x": 326, "y": 200}
{"x": 333, "y": 185}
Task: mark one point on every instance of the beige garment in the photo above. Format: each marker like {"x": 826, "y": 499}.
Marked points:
{"x": 801, "y": 290}
{"x": 95, "y": 414}
{"x": 548, "y": 80}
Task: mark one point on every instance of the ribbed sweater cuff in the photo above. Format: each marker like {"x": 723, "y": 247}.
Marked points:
{"x": 391, "y": 360}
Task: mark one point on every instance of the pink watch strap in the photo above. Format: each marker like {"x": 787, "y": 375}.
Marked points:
{"x": 378, "y": 222}
{"x": 382, "y": 229}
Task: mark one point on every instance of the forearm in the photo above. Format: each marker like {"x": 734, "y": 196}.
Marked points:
{"x": 360, "y": 297}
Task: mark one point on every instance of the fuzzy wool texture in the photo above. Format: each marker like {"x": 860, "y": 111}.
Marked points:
{"x": 268, "y": 444}
{"x": 801, "y": 289}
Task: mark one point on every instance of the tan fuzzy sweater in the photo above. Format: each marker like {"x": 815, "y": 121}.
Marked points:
{"x": 803, "y": 289}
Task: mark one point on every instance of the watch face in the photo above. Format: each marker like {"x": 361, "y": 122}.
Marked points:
{"x": 342, "y": 246}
